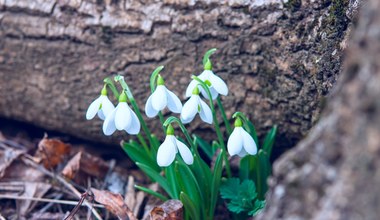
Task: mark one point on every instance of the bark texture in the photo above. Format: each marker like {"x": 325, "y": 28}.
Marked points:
{"x": 279, "y": 58}
{"x": 335, "y": 172}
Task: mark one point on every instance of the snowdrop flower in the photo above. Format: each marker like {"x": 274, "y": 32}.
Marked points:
{"x": 168, "y": 149}
{"x": 121, "y": 118}
{"x": 240, "y": 142}
{"x": 101, "y": 106}
{"x": 161, "y": 98}
{"x": 215, "y": 83}
{"x": 196, "y": 105}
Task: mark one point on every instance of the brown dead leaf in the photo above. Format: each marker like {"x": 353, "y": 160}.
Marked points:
{"x": 169, "y": 210}
{"x": 87, "y": 163}
{"x": 52, "y": 152}
{"x": 72, "y": 167}
{"x": 113, "y": 203}
{"x": 7, "y": 156}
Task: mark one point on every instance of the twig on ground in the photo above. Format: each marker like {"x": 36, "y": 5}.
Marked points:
{"x": 49, "y": 205}
{"x": 30, "y": 162}
{"x": 83, "y": 198}
{"x": 65, "y": 202}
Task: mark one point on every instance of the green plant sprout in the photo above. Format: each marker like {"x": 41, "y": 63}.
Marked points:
{"x": 176, "y": 164}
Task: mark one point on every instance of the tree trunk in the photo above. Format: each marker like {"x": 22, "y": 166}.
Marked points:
{"x": 279, "y": 59}
{"x": 335, "y": 172}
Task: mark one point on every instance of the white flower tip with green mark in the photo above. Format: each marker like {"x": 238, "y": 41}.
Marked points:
{"x": 168, "y": 149}
{"x": 218, "y": 86}
{"x": 161, "y": 98}
{"x": 241, "y": 143}
{"x": 193, "y": 106}
{"x": 101, "y": 106}
{"x": 121, "y": 118}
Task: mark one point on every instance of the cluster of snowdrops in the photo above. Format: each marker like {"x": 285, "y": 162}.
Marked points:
{"x": 182, "y": 166}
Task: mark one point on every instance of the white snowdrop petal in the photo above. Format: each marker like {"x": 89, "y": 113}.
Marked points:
{"x": 190, "y": 88}
{"x": 248, "y": 143}
{"x": 205, "y": 113}
{"x": 242, "y": 153}
{"x": 149, "y": 110}
{"x": 214, "y": 93}
{"x": 219, "y": 85}
{"x": 190, "y": 108}
{"x": 134, "y": 127}
{"x": 235, "y": 142}
{"x": 122, "y": 116}
{"x": 185, "y": 152}
{"x": 93, "y": 108}
{"x": 205, "y": 75}
{"x": 174, "y": 104}
{"x": 166, "y": 152}
{"x": 159, "y": 98}
{"x": 109, "y": 124}
{"x": 187, "y": 120}
{"x": 101, "y": 114}
{"x": 107, "y": 106}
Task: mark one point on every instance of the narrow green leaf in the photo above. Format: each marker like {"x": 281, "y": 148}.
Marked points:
{"x": 188, "y": 183}
{"x": 189, "y": 206}
{"x": 138, "y": 154}
{"x": 265, "y": 171}
{"x": 206, "y": 147}
{"x": 153, "y": 78}
{"x": 216, "y": 179}
{"x": 154, "y": 146}
{"x": 269, "y": 140}
{"x": 156, "y": 177}
{"x": 151, "y": 192}
{"x": 207, "y": 55}
{"x": 247, "y": 166}
{"x": 203, "y": 174}
{"x": 171, "y": 177}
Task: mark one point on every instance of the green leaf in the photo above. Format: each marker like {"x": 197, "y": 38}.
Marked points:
{"x": 153, "y": 78}
{"x": 207, "y": 55}
{"x": 216, "y": 180}
{"x": 171, "y": 177}
{"x": 241, "y": 196}
{"x": 247, "y": 167}
{"x": 235, "y": 207}
{"x": 247, "y": 190}
{"x": 188, "y": 183}
{"x": 269, "y": 140}
{"x": 206, "y": 147}
{"x": 265, "y": 170}
{"x": 203, "y": 175}
{"x": 154, "y": 146}
{"x": 138, "y": 154}
{"x": 229, "y": 187}
{"x": 189, "y": 206}
{"x": 258, "y": 206}
{"x": 151, "y": 192}
{"x": 156, "y": 177}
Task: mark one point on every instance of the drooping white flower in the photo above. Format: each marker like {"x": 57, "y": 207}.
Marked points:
{"x": 168, "y": 149}
{"x": 240, "y": 141}
{"x": 161, "y": 98}
{"x": 101, "y": 106}
{"x": 214, "y": 82}
{"x": 122, "y": 118}
{"x": 196, "y": 105}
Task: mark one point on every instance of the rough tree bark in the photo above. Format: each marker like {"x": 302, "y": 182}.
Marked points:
{"x": 335, "y": 172}
{"x": 279, "y": 59}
